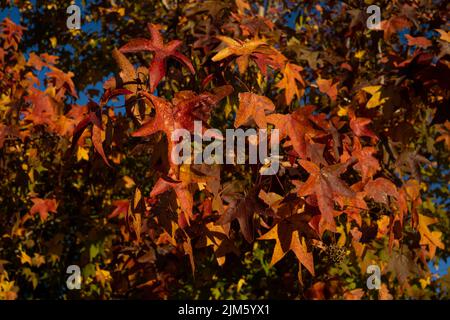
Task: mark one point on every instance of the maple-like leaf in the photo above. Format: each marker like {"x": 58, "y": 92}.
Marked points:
{"x": 325, "y": 184}
{"x": 43, "y": 207}
{"x": 43, "y": 60}
{"x": 162, "y": 52}
{"x": 43, "y": 109}
{"x": 376, "y": 99}
{"x": 12, "y": 33}
{"x": 121, "y": 207}
{"x": 367, "y": 164}
{"x": 444, "y": 35}
{"x": 355, "y": 294}
{"x": 327, "y": 87}
{"x": 253, "y": 108}
{"x": 432, "y": 239}
{"x": 188, "y": 106}
{"x": 185, "y": 108}
{"x": 287, "y": 236}
{"x": 94, "y": 118}
{"x": 354, "y": 206}
{"x": 128, "y": 76}
{"x": 379, "y": 190}
{"x": 184, "y": 196}
{"x": 242, "y": 208}
{"x": 297, "y": 126}
{"x": 187, "y": 175}
{"x": 393, "y": 25}
{"x": 291, "y": 75}
{"x": 359, "y": 126}
{"x": 242, "y": 49}
{"x": 420, "y": 42}
{"x": 217, "y": 236}
{"x": 62, "y": 80}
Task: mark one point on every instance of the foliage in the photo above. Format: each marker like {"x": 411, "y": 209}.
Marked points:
{"x": 364, "y": 171}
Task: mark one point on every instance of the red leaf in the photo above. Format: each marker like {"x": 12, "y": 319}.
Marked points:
{"x": 162, "y": 52}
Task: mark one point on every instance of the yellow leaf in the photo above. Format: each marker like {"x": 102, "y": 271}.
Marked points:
{"x": 82, "y": 154}
{"x": 425, "y": 282}
{"x": 102, "y": 276}
{"x": 38, "y": 260}
{"x": 54, "y": 42}
{"x": 241, "y": 49}
{"x": 372, "y": 89}
{"x": 342, "y": 112}
{"x": 432, "y": 239}
{"x": 376, "y": 99}
{"x": 360, "y": 54}
{"x": 241, "y": 282}
{"x": 129, "y": 183}
{"x": 342, "y": 237}
{"x": 445, "y": 35}
{"x": 24, "y": 258}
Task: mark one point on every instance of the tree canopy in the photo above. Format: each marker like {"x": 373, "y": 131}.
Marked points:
{"x": 86, "y": 178}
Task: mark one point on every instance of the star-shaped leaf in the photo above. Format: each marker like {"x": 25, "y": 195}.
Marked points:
{"x": 291, "y": 75}
{"x": 253, "y": 108}
{"x": 162, "y": 52}
{"x": 242, "y": 49}
{"x": 325, "y": 184}
{"x": 43, "y": 207}
{"x": 297, "y": 126}
{"x": 287, "y": 236}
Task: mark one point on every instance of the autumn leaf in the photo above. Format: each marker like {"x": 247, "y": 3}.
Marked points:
{"x": 367, "y": 164}
{"x": 355, "y": 294}
{"x": 287, "y": 238}
{"x": 376, "y": 99}
{"x": 325, "y": 184}
{"x": 121, "y": 206}
{"x": 162, "y": 52}
{"x": 216, "y": 236}
{"x": 185, "y": 108}
{"x": 291, "y": 75}
{"x": 95, "y": 120}
{"x": 420, "y": 42}
{"x": 25, "y": 258}
{"x": 394, "y": 25}
{"x": 182, "y": 191}
{"x": 429, "y": 238}
{"x": 327, "y": 87}
{"x": 359, "y": 126}
{"x": 242, "y": 49}
{"x": 297, "y": 126}
{"x": 243, "y": 208}
{"x": 379, "y": 190}
{"x": 253, "y": 108}
{"x": 445, "y": 35}
{"x": 62, "y": 80}
{"x": 43, "y": 207}
{"x": 43, "y": 109}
